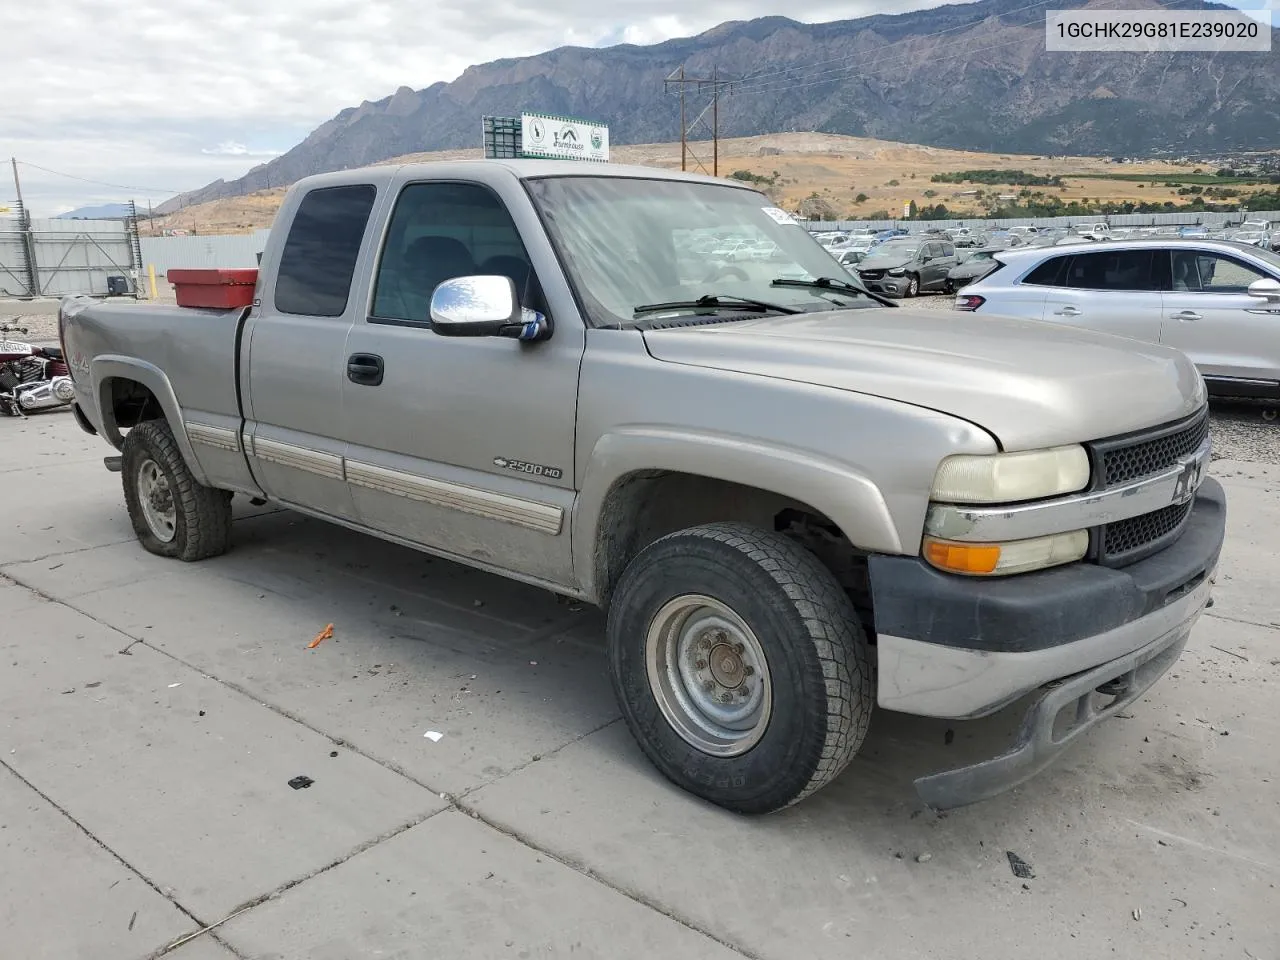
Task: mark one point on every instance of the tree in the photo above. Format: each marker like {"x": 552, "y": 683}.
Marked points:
{"x": 861, "y": 198}
{"x": 931, "y": 193}
{"x": 911, "y": 210}
{"x": 892, "y": 183}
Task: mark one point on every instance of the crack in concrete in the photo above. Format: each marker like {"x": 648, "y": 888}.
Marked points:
{"x": 92, "y": 836}
{"x": 289, "y": 885}
{"x": 1251, "y": 623}
{"x": 65, "y": 553}
{"x": 453, "y": 803}
{"x": 113, "y": 543}
{"x": 634, "y": 895}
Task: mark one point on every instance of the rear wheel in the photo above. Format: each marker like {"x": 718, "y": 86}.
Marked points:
{"x": 172, "y": 514}
{"x": 740, "y": 665}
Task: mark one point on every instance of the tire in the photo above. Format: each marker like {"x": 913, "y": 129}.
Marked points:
{"x": 185, "y": 519}
{"x": 913, "y": 286}
{"x": 814, "y": 672}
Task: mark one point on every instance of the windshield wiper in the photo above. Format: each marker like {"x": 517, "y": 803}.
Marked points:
{"x": 715, "y": 302}
{"x": 831, "y": 283}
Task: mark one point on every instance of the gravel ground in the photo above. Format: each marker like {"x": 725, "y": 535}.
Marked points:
{"x": 1240, "y": 433}
{"x": 40, "y": 329}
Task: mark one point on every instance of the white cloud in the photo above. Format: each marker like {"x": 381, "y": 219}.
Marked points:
{"x": 254, "y": 78}
{"x": 232, "y": 148}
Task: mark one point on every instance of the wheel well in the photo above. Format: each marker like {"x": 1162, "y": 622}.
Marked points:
{"x": 647, "y": 505}
{"x": 130, "y": 402}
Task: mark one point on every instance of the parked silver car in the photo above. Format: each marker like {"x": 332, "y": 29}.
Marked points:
{"x": 1216, "y": 301}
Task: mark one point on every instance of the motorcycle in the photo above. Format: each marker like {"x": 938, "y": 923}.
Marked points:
{"x": 31, "y": 377}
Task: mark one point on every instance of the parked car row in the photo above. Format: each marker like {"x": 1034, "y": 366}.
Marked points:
{"x": 1217, "y": 301}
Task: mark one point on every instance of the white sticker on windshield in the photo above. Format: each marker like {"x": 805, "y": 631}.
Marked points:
{"x": 781, "y": 216}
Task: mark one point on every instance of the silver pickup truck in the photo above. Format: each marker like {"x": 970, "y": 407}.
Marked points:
{"x": 793, "y": 498}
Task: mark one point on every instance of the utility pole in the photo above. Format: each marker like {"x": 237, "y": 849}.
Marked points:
{"x": 702, "y": 85}
{"x": 28, "y": 241}
{"x": 715, "y": 121}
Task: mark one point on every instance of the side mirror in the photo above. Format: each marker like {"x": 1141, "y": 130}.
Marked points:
{"x": 1267, "y": 289}
{"x": 482, "y": 306}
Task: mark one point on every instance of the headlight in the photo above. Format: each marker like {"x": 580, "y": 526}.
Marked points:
{"x": 898, "y": 272}
{"x": 1002, "y": 559}
{"x": 1010, "y": 477}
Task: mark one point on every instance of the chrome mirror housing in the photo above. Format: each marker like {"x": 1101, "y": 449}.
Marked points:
{"x": 477, "y": 306}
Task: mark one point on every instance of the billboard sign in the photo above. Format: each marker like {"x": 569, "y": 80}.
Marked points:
{"x": 563, "y": 138}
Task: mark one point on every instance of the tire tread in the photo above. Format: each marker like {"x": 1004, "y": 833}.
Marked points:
{"x": 204, "y": 512}
{"x": 833, "y": 627}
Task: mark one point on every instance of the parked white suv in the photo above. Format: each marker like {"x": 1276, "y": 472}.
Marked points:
{"x": 1216, "y": 301}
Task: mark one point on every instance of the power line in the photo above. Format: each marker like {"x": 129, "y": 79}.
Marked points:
{"x": 682, "y": 81}
{"x": 101, "y": 183}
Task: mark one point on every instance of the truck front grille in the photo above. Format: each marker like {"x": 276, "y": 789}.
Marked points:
{"x": 1142, "y": 535}
{"x": 871, "y": 274}
{"x": 1122, "y": 460}
{"x": 1144, "y": 456}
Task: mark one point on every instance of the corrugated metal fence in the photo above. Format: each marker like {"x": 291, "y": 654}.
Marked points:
{"x": 63, "y": 256}
{"x": 238, "y": 250}
{"x": 1210, "y": 220}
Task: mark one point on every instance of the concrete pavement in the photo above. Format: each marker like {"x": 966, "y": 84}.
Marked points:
{"x": 152, "y": 714}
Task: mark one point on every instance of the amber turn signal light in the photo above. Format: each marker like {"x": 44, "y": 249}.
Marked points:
{"x": 962, "y": 557}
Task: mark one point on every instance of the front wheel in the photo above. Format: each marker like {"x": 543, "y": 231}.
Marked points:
{"x": 172, "y": 514}
{"x": 740, "y": 666}
{"x": 913, "y": 286}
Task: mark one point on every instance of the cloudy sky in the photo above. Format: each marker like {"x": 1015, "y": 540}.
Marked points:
{"x": 153, "y": 97}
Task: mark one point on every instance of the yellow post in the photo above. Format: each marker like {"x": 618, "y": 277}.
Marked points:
{"x": 151, "y": 276}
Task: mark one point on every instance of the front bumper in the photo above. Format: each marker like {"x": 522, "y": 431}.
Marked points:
{"x": 962, "y": 647}
{"x": 892, "y": 286}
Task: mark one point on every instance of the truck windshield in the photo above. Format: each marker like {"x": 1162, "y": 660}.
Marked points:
{"x": 630, "y": 242}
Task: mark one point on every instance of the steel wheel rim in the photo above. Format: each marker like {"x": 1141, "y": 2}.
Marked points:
{"x": 156, "y": 499}
{"x": 698, "y": 652}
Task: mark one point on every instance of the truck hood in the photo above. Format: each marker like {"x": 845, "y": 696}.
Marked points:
{"x": 1030, "y": 384}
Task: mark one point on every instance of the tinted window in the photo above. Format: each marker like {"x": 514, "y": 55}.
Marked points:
{"x": 439, "y": 231}
{"x": 319, "y": 258}
{"x": 1051, "y": 273}
{"x": 948, "y": 250}
{"x": 1117, "y": 270}
{"x": 1198, "y": 271}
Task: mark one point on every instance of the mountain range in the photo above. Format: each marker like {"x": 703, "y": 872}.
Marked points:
{"x": 970, "y": 76}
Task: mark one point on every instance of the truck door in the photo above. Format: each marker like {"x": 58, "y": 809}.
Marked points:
{"x": 463, "y": 445}
{"x": 294, "y": 354}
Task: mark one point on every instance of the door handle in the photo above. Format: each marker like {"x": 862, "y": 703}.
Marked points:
{"x": 1067, "y": 312}
{"x": 1184, "y": 315}
{"x": 365, "y": 368}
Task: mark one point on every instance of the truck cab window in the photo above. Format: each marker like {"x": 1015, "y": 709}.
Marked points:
{"x": 444, "y": 230}
{"x": 319, "y": 257}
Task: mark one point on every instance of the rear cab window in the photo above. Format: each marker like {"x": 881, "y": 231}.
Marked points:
{"x": 320, "y": 252}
